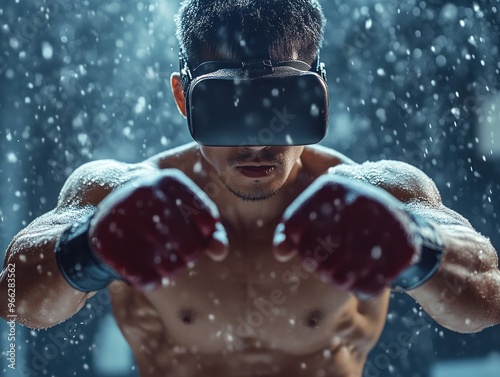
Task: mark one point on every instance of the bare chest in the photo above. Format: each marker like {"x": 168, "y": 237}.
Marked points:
{"x": 249, "y": 301}
{"x": 249, "y": 313}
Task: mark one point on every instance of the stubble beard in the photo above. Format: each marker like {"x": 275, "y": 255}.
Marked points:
{"x": 253, "y": 196}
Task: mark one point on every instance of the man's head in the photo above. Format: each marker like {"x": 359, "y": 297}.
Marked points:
{"x": 244, "y": 30}
{"x": 240, "y": 30}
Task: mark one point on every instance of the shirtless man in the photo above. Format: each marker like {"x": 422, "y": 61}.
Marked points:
{"x": 211, "y": 268}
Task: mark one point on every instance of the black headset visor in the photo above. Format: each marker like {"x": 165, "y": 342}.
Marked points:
{"x": 258, "y": 104}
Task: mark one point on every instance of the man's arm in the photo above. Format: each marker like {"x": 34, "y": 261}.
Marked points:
{"x": 464, "y": 294}
{"x": 43, "y": 297}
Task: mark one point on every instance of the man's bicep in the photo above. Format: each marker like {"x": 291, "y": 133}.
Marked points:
{"x": 439, "y": 214}
{"x": 53, "y": 222}
{"x": 421, "y": 195}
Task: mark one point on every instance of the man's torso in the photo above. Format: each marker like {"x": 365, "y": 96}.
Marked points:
{"x": 249, "y": 315}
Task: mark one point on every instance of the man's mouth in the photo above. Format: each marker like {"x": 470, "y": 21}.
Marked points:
{"x": 256, "y": 171}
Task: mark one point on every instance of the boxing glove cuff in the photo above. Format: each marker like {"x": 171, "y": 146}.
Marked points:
{"x": 431, "y": 248}
{"x": 76, "y": 260}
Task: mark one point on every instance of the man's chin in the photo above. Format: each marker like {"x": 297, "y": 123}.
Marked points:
{"x": 254, "y": 195}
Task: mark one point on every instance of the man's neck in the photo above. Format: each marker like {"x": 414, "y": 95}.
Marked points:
{"x": 245, "y": 215}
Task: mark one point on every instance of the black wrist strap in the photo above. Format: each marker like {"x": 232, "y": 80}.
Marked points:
{"x": 79, "y": 265}
{"x": 428, "y": 240}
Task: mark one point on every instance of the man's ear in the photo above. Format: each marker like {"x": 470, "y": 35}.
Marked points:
{"x": 175, "y": 82}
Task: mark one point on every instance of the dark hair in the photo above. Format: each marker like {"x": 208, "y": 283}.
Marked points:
{"x": 237, "y": 30}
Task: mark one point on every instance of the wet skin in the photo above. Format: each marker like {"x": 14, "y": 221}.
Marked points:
{"x": 248, "y": 315}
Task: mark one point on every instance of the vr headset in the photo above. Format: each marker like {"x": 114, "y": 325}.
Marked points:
{"x": 255, "y": 103}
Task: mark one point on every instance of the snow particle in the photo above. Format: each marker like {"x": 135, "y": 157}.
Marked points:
{"x": 11, "y": 157}
{"x": 376, "y": 252}
{"x": 47, "y": 50}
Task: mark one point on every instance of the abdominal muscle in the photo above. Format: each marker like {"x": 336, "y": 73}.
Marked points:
{"x": 248, "y": 316}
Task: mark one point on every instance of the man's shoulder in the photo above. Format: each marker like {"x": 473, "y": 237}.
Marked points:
{"x": 182, "y": 157}
{"x": 319, "y": 159}
{"x": 406, "y": 182}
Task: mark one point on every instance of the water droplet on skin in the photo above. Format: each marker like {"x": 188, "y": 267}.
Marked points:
{"x": 336, "y": 341}
{"x": 179, "y": 350}
{"x": 303, "y": 365}
{"x": 468, "y": 321}
{"x": 197, "y": 168}
{"x": 22, "y": 258}
{"x": 211, "y": 317}
{"x": 327, "y": 354}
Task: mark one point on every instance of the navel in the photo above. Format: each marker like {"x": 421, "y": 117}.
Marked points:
{"x": 314, "y": 318}
{"x": 187, "y": 316}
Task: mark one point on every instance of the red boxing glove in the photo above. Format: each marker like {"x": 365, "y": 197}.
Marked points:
{"x": 153, "y": 227}
{"x": 357, "y": 236}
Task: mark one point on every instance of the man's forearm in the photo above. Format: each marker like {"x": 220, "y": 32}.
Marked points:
{"x": 464, "y": 295}
{"x": 43, "y": 298}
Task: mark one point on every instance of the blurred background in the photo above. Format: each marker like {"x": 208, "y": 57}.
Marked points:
{"x": 416, "y": 81}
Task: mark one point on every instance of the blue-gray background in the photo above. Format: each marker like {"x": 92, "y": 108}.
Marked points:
{"x": 409, "y": 80}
